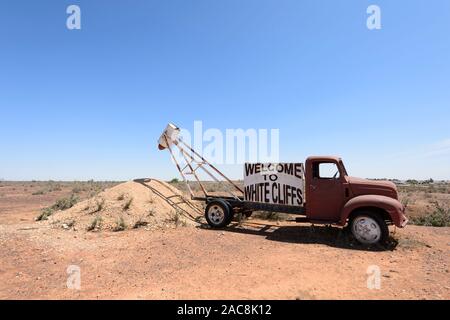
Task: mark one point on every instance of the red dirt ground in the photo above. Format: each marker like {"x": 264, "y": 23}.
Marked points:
{"x": 260, "y": 259}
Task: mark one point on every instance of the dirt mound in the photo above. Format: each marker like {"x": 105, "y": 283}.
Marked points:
{"x": 145, "y": 203}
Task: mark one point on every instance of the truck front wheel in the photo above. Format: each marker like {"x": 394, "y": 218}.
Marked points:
{"x": 369, "y": 228}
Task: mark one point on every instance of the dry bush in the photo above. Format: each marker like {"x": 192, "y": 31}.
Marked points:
{"x": 120, "y": 225}
{"x": 440, "y": 217}
{"x": 65, "y": 203}
{"x": 95, "y": 224}
{"x": 127, "y": 204}
{"x": 269, "y": 215}
{"x": 99, "y": 205}
{"x": 45, "y": 213}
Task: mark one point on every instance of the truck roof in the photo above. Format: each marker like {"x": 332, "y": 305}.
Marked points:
{"x": 322, "y": 158}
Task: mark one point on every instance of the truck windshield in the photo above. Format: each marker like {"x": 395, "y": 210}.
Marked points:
{"x": 343, "y": 167}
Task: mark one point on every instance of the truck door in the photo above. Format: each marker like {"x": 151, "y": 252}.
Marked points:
{"x": 325, "y": 192}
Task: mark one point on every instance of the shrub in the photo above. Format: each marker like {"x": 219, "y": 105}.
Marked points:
{"x": 76, "y": 189}
{"x": 96, "y": 223}
{"x": 140, "y": 223}
{"x": 38, "y": 193}
{"x": 127, "y": 204}
{"x": 440, "y": 217}
{"x": 120, "y": 225}
{"x": 405, "y": 202}
{"x": 70, "y": 223}
{"x": 99, "y": 205}
{"x": 177, "y": 220}
{"x": 65, "y": 203}
{"x": 269, "y": 215}
{"x": 174, "y": 180}
{"x": 45, "y": 213}
{"x": 55, "y": 188}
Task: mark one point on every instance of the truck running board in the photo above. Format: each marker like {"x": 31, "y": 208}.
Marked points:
{"x": 305, "y": 219}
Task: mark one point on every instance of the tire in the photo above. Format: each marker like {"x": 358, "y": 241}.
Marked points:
{"x": 369, "y": 228}
{"x": 218, "y": 213}
{"x": 231, "y": 211}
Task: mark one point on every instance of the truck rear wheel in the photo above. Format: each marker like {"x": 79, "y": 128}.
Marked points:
{"x": 369, "y": 228}
{"x": 218, "y": 213}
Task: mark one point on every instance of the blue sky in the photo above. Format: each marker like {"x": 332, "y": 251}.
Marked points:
{"x": 91, "y": 103}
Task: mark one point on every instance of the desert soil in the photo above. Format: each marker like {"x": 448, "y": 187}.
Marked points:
{"x": 259, "y": 259}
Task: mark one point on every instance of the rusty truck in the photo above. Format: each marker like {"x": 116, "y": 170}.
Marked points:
{"x": 318, "y": 191}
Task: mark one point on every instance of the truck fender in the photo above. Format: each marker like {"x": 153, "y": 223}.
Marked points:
{"x": 391, "y": 206}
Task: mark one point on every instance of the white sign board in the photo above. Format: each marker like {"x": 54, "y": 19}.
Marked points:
{"x": 274, "y": 183}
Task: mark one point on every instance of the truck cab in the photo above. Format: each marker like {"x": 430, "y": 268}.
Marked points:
{"x": 334, "y": 197}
